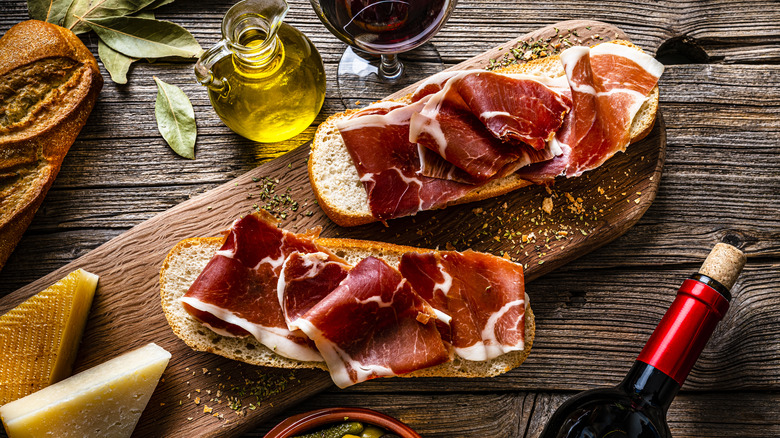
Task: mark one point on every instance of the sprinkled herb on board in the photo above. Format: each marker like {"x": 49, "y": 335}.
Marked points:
{"x": 273, "y": 200}
{"x": 533, "y": 49}
{"x": 239, "y": 397}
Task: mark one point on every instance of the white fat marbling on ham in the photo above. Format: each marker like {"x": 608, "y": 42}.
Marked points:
{"x": 445, "y": 284}
{"x": 443, "y": 317}
{"x": 491, "y": 114}
{"x": 374, "y": 325}
{"x": 377, "y": 115}
{"x": 435, "y": 83}
{"x": 485, "y": 300}
{"x": 236, "y": 293}
{"x": 609, "y": 84}
{"x": 226, "y": 253}
{"x": 388, "y": 165}
{"x": 490, "y": 346}
{"x": 305, "y": 279}
{"x": 346, "y": 371}
{"x": 276, "y": 340}
{"x": 486, "y": 124}
{"x": 643, "y": 60}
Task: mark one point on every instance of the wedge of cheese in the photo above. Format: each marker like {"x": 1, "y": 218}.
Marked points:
{"x": 104, "y": 401}
{"x": 40, "y": 337}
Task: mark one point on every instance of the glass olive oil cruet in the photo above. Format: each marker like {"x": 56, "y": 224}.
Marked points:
{"x": 266, "y": 80}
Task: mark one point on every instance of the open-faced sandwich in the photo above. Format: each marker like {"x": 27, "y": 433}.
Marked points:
{"x": 468, "y": 135}
{"x": 358, "y": 309}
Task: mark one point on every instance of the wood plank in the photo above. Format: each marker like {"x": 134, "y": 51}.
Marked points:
{"x": 479, "y": 415}
{"x": 728, "y": 31}
{"x": 122, "y": 317}
{"x": 591, "y": 329}
{"x": 512, "y": 415}
{"x": 723, "y": 120}
{"x": 694, "y": 416}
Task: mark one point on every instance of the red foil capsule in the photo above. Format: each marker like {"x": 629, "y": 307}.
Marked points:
{"x": 684, "y": 330}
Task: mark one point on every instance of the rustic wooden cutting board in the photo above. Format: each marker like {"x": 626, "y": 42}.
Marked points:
{"x": 200, "y": 393}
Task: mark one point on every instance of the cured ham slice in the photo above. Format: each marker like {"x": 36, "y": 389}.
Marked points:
{"x": 377, "y": 139}
{"x": 483, "y": 122}
{"x": 609, "y": 83}
{"x": 372, "y": 325}
{"x": 305, "y": 279}
{"x": 446, "y": 126}
{"x": 236, "y": 293}
{"x": 483, "y": 294}
{"x": 515, "y": 106}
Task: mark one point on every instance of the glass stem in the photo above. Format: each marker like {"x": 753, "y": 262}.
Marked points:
{"x": 391, "y": 69}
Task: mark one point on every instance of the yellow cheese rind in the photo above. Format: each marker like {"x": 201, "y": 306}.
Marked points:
{"x": 104, "y": 401}
{"x": 39, "y": 338}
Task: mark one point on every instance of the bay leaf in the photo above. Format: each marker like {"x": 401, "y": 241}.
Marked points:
{"x": 92, "y": 9}
{"x": 78, "y": 8}
{"x": 175, "y": 118}
{"x": 115, "y": 62}
{"x": 145, "y": 38}
{"x": 149, "y": 15}
{"x": 157, "y": 3}
{"x": 52, "y": 11}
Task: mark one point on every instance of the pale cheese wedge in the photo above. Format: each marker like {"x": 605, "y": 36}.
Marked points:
{"x": 104, "y": 401}
{"x": 40, "y": 337}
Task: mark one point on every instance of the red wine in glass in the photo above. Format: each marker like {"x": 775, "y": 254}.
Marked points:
{"x": 380, "y": 31}
{"x": 385, "y": 26}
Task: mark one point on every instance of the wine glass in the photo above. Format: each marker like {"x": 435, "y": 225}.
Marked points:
{"x": 386, "y": 43}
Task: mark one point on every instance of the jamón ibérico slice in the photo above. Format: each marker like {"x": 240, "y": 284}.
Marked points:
{"x": 515, "y": 106}
{"x": 435, "y": 83}
{"x": 373, "y": 325}
{"x": 609, "y": 83}
{"x": 377, "y": 139}
{"x": 483, "y": 294}
{"x": 434, "y": 166}
{"x": 483, "y": 122}
{"x": 236, "y": 293}
{"x": 305, "y": 279}
{"x": 446, "y": 126}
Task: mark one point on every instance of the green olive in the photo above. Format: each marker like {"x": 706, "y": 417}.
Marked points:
{"x": 372, "y": 432}
{"x": 337, "y": 431}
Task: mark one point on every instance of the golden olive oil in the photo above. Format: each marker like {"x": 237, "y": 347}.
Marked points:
{"x": 275, "y": 100}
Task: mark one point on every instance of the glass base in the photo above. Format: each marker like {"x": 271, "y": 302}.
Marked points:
{"x": 360, "y": 83}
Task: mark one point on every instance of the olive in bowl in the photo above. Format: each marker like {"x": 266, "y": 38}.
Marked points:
{"x": 342, "y": 423}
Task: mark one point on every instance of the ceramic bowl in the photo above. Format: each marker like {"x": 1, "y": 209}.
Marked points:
{"x": 312, "y": 420}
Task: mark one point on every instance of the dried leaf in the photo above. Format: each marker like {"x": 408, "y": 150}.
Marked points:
{"x": 78, "y": 8}
{"x": 92, "y": 9}
{"x": 144, "y": 38}
{"x": 175, "y": 119}
{"x": 149, "y": 15}
{"x": 116, "y": 63}
{"x": 52, "y": 11}
{"x": 158, "y": 3}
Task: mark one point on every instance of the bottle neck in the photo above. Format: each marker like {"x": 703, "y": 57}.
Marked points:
{"x": 649, "y": 386}
{"x": 686, "y": 327}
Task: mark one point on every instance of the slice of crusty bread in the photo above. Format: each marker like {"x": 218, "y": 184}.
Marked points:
{"x": 335, "y": 181}
{"x": 188, "y": 258}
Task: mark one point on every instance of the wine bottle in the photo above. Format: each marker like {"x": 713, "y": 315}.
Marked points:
{"x": 636, "y": 408}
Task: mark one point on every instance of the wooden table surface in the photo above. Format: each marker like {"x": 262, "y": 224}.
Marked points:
{"x": 720, "y": 97}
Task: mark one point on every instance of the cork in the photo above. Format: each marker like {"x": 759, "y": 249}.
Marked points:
{"x": 724, "y": 264}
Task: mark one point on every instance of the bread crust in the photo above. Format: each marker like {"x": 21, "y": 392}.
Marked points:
{"x": 550, "y": 66}
{"x": 33, "y": 146}
{"x": 186, "y": 260}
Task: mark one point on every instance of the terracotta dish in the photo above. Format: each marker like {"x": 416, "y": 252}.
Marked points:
{"x": 312, "y": 420}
